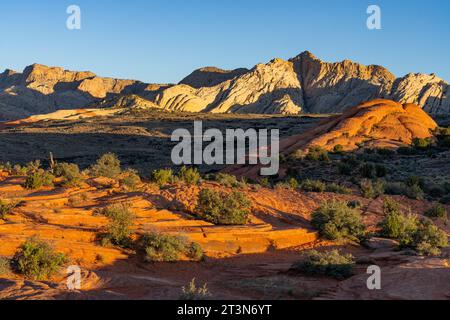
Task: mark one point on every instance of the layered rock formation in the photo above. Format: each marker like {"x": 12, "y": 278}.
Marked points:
{"x": 302, "y": 84}
{"x": 211, "y": 76}
{"x": 428, "y": 91}
{"x": 42, "y": 89}
{"x": 266, "y": 89}
{"x": 378, "y": 123}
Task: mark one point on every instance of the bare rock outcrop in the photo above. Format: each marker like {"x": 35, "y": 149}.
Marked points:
{"x": 272, "y": 88}
{"x": 428, "y": 91}
{"x": 211, "y": 76}
{"x": 41, "y": 89}
{"x": 334, "y": 87}
{"x": 378, "y": 123}
{"x": 302, "y": 84}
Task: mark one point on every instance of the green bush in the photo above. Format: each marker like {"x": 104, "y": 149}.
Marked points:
{"x": 228, "y": 180}
{"x": 317, "y": 154}
{"x": 338, "y": 148}
{"x": 38, "y": 179}
{"x": 37, "y": 260}
{"x": 336, "y": 188}
{"x": 421, "y": 144}
{"x": 118, "y": 231}
{"x": 107, "y": 166}
{"x": 70, "y": 173}
{"x": 130, "y": 180}
{"x": 190, "y": 176}
{"x": 401, "y": 188}
{"x": 429, "y": 239}
{"x": 291, "y": 184}
{"x": 420, "y": 235}
{"x": 438, "y": 211}
{"x": 195, "y": 252}
{"x": 396, "y": 225}
{"x": 223, "y": 209}
{"x": 192, "y": 292}
{"x": 332, "y": 264}
{"x": 161, "y": 247}
{"x": 335, "y": 220}
{"x": 5, "y": 266}
{"x": 162, "y": 176}
{"x": 310, "y": 185}
{"x": 371, "y": 190}
{"x": 6, "y": 208}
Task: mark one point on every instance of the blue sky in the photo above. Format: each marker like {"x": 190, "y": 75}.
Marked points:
{"x": 164, "y": 40}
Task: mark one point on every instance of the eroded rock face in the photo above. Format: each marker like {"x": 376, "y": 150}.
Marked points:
{"x": 41, "y": 89}
{"x": 302, "y": 84}
{"x": 271, "y": 88}
{"x": 428, "y": 91}
{"x": 334, "y": 87}
{"x": 211, "y": 76}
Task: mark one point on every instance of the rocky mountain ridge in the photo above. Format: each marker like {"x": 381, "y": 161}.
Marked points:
{"x": 301, "y": 84}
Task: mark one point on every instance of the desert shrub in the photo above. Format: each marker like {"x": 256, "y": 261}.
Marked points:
{"x": 335, "y": 220}
{"x": 429, "y": 239}
{"x": 5, "y": 266}
{"x": 118, "y": 231}
{"x": 310, "y": 185}
{"x": 381, "y": 170}
{"x": 354, "y": 204}
{"x": 422, "y": 143}
{"x": 265, "y": 182}
{"x": 401, "y": 188}
{"x": 338, "y": 148}
{"x": 190, "y": 176}
{"x": 316, "y": 153}
{"x": 36, "y": 259}
{"x": 108, "y": 166}
{"x": 223, "y": 209}
{"x": 227, "y": 180}
{"x": 6, "y": 166}
{"x": 396, "y": 225}
{"x": 192, "y": 292}
{"x": 332, "y": 264}
{"x": 438, "y": 211}
{"x": 70, "y": 173}
{"x": 291, "y": 184}
{"x": 195, "y": 252}
{"x": 33, "y": 166}
{"x": 297, "y": 155}
{"x": 6, "y": 208}
{"x": 420, "y": 235}
{"x": 130, "y": 180}
{"x": 160, "y": 247}
{"x": 162, "y": 176}
{"x": 38, "y": 179}
{"x": 336, "y": 188}
{"x": 370, "y": 189}
{"x": 415, "y": 181}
